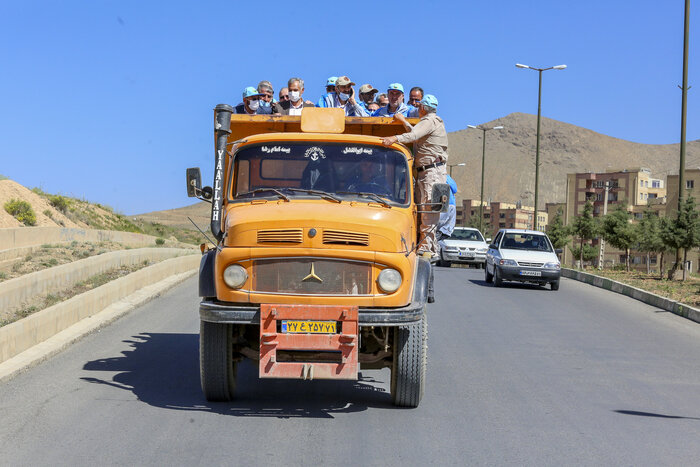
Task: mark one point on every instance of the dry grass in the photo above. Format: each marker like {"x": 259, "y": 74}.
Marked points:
{"x": 44, "y": 301}
{"x": 687, "y": 292}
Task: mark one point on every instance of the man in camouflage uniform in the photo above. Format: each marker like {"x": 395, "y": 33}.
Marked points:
{"x": 429, "y": 139}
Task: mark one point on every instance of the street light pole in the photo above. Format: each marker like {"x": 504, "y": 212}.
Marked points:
{"x": 539, "y": 113}
{"x": 483, "y": 161}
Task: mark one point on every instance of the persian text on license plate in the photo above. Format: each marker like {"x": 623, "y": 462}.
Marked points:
{"x": 309, "y": 327}
{"x": 531, "y": 273}
{"x": 467, "y": 254}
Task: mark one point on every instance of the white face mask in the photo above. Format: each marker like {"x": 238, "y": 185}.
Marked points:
{"x": 253, "y": 105}
{"x": 343, "y": 96}
{"x": 294, "y": 96}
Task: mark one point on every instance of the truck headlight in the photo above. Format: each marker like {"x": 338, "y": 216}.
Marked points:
{"x": 551, "y": 266}
{"x": 235, "y": 276}
{"x": 389, "y": 280}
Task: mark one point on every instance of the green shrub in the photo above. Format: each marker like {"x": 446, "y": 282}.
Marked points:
{"x": 48, "y": 213}
{"x": 21, "y": 210}
{"x": 59, "y": 202}
{"x": 160, "y": 241}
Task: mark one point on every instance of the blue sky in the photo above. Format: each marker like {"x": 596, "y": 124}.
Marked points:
{"x": 111, "y": 100}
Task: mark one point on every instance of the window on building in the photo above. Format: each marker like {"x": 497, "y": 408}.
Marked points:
{"x": 641, "y": 195}
{"x": 613, "y": 183}
{"x": 638, "y": 215}
{"x": 652, "y": 195}
{"x": 502, "y": 225}
{"x": 599, "y": 196}
{"x": 641, "y": 184}
{"x": 487, "y": 215}
{"x": 502, "y": 215}
{"x": 622, "y": 259}
{"x": 690, "y": 184}
{"x": 656, "y": 183}
{"x": 612, "y": 197}
{"x": 472, "y": 212}
{"x": 652, "y": 260}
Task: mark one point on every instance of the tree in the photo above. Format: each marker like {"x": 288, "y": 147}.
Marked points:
{"x": 649, "y": 238}
{"x": 558, "y": 233}
{"x": 588, "y": 253}
{"x": 584, "y": 228}
{"x": 618, "y": 230}
{"x": 687, "y": 229}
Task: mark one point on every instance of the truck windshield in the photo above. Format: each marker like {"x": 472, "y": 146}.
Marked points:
{"x": 343, "y": 170}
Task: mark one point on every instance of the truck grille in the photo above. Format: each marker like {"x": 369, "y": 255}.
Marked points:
{"x": 312, "y": 276}
{"x": 341, "y": 237}
{"x": 530, "y": 265}
{"x": 280, "y": 236}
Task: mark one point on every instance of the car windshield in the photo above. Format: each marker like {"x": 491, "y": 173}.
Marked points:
{"x": 342, "y": 170}
{"x": 471, "y": 235}
{"x": 525, "y": 241}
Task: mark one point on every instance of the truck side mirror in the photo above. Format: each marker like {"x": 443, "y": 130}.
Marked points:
{"x": 441, "y": 196}
{"x": 194, "y": 185}
{"x": 194, "y": 181}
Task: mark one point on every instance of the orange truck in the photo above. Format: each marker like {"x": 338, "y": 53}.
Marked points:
{"x": 315, "y": 273}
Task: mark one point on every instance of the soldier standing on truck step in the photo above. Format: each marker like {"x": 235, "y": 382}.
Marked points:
{"x": 430, "y": 149}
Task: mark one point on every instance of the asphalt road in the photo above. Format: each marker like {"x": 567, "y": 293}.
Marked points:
{"x": 517, "y": 376}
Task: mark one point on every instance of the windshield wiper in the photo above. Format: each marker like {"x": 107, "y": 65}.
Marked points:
{"x": 322, "y": 194}
{"x": 262, "y": 190}
{"x": 373, "y": 196}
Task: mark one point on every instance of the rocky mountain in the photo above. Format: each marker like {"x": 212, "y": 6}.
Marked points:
{"x": 564, "y": 148}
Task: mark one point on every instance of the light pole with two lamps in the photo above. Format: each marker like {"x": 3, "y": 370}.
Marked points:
{"x": 483, "y": 160}
{"x": 539, "y": 107}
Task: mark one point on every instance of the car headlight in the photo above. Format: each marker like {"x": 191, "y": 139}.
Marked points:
{"x": 235, "y": 276}
{"x": 551, "y": 266}
{"x": 482, "y": 250}
{"x": 452, "y": 249}
{"x": 389, "y": 280}
{"x": 507, "y": 262}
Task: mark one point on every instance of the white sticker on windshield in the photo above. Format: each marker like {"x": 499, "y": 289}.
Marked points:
{"x": 270, "y": 150}
{"x": 356, "y": 150}
{"x": 315, "y": 153}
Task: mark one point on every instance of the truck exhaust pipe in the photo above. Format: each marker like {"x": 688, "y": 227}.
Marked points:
{"x": 222, "y": 128}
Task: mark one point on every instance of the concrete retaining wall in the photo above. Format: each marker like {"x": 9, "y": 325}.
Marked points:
{"x": 34, "y": 329}
{"x": 27, "y": 236}
{"x": 649, "y": 298}
{"x": 15, "y": 291}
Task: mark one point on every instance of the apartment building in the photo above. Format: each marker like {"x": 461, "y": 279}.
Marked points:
{"x": 635, "y": 189}
{"x": 499, "y": 215}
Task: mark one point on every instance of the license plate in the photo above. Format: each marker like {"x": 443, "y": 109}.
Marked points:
{"x": 467, "y": 254}
{"x": 308, "y": 327}
{"x": 531, "y": 273}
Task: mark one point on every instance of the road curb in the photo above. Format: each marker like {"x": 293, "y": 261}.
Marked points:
{"x": 649, "y": 298}
{"x": 63, "y": 339}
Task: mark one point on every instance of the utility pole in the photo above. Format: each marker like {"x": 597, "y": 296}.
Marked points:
{"x": 605, "y": 211}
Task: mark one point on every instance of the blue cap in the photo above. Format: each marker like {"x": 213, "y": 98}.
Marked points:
{"x": 331, "y": 81}
{"x": 396, "y": 86}
{"x": 430, "y": 101}
{"x": 250, "y": 91}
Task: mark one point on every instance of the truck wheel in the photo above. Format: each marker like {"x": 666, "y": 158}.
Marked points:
{"x": 487, "y": 277}
{"x": 217, "y": 368}
{"x": 497, "y": 281}
{"x": 410, "y": 363}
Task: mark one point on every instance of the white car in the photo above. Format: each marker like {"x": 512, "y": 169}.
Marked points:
{"x": 523, "y": 256}
{"x": 465, "y": 245}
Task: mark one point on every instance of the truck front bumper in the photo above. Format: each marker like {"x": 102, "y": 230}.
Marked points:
{"x": 221, "y": 312}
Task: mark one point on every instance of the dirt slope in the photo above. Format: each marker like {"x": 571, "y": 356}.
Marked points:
{"x": 10, "y": 189}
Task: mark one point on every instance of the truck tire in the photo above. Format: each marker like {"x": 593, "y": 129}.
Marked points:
{"x": 217, "y": 368}
{"x": 409, "y": 364}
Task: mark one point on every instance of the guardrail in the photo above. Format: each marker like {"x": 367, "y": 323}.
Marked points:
{"x": 649, "y": 298}
{"x": 27, "y": 236}
{"x": 34, "y": 329}
{"x": 15, "y": 291}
